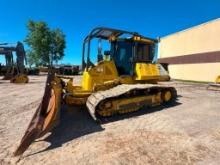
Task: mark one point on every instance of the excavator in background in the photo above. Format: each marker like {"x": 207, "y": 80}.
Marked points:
{"x": 5, "y": 70}
{"x": 16, "y": 74}
{"x": 123, "y": 80}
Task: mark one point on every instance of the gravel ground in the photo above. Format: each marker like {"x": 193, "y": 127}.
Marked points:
{"x": 185, "y": 133}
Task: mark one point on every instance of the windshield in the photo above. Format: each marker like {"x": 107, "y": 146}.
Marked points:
{"x": 122, "y": 56}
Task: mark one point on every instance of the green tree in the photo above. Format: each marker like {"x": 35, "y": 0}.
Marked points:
{"x": 46, "y": 45}
{"x": 32, "y": 58}
{"x": 57, "y": 45}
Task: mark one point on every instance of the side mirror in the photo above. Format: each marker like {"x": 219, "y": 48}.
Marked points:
{"x": 107, "y": 52}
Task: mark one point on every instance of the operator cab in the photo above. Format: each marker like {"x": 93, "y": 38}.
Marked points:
{"x": 127, "y": 52}
{"x": 126, "y": 49}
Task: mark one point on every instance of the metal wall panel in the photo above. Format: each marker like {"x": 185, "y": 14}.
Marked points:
{"x": 194, "y": 53}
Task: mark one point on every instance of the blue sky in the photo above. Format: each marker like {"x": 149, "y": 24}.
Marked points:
{"x": 77, "y": 17}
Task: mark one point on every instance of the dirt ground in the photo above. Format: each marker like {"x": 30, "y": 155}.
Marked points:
{"x": 185, "y": 133}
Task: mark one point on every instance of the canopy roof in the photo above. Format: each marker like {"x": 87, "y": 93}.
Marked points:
{"x": 106, "y": 33}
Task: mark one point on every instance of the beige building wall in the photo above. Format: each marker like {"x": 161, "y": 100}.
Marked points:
{"x": 206, "y": 72}
{"x": 201, "y": 39}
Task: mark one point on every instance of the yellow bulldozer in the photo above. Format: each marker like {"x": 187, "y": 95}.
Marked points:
{"x": 123, "y": 80}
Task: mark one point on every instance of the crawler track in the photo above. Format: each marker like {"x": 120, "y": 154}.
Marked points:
{"x": 127, "y": 92}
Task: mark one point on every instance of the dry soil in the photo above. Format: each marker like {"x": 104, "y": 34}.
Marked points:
{"x": 187, "y": 132}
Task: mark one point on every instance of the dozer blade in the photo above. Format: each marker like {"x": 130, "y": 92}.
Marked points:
{"x": 46, "y": 115}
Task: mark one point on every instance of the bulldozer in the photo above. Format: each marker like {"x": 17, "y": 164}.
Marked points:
{"x": 123, "y": 80}
{"x": 14, "y": 72}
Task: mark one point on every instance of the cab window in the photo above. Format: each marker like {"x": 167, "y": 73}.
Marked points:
{"x": 143, "y": 52}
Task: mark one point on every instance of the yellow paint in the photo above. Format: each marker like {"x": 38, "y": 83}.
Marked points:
{"x": 138, "y": 38}
{"x": 126, "y": 80}
{"x": 104, "y": 76}
{"x": 167, "y": 96}
{"x": 20, "y": 78}
{"x": 146, "y": 71}
{"x": 104, "y": 71}
{"x": 127, "y": 105}
{"x": 70, "y": 100}
{"x": 217, "y": 80}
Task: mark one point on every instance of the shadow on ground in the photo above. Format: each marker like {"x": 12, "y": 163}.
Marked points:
{"x": 74, "y": 123}
{"x": 77, "y": 122}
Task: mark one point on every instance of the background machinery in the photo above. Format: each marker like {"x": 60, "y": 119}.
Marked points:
{"x": 67, "y": 69}
{"x": 215, "y": 85}
{"x": 217, "y": 81}
{"x": 16, "y": 73}
{"x": 122, "y": 81}
{"x": 7, "y": 69}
